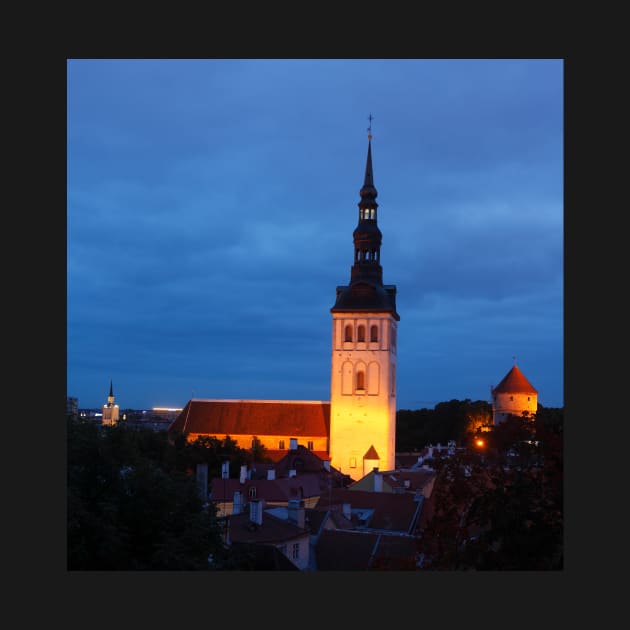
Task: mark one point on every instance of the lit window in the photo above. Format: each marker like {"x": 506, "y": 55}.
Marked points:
{"x": 374, "y": 333}
{"x": 361, "y": 333}
{"x": 348, "y": 333}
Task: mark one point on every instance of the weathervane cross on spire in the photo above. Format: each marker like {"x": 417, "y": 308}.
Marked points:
{"x": 369, "y": 129}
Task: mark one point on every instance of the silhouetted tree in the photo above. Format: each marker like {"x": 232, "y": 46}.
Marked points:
{"x": 500, "y": 506}
{"x": 129, "y": 509}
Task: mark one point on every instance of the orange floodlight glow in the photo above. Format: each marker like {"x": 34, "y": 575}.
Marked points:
{"x": 479, "y": 442}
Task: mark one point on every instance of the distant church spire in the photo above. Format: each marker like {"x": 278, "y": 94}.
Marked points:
{"x": 110, "y": 410}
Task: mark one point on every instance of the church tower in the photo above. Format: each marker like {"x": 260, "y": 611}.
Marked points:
{"x": 363, "y": 374}
{"x": 110, "y": 410}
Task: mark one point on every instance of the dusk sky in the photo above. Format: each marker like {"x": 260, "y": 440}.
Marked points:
{"x": 211, "y": 205}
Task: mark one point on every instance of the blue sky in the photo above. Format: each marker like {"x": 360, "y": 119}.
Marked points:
{"x": 211, "y": 205}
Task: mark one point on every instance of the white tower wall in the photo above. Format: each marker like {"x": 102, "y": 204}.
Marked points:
{"x": 361, "y": 417}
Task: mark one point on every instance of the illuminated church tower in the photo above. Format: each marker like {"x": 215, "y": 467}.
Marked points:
{"x": 363, "y": 374}
{"x": 110, "y": 410}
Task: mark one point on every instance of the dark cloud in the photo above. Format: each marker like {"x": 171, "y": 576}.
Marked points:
{"x": 211, "y": 205}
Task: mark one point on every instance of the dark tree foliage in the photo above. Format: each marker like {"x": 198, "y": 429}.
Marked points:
{"x": 500, "y": 506}
{"x": 133, "y": 502}
{"x": 447, "y": 421}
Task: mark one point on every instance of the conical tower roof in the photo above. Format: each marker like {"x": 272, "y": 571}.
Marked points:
{"x": 514, "y": 382}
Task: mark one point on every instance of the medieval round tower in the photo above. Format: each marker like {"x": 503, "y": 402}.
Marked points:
{"x": 514, "y": 395}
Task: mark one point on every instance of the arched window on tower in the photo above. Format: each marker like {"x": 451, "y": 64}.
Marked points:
{"x": 360, "y": 380}
{"x": 374, "y": 332}
{"x": 361, "y": 333}
{"x": 347, "y": 333}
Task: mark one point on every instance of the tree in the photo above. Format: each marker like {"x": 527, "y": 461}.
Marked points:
{"x": 128, "y": 509}
{"x": 500, "y": 506}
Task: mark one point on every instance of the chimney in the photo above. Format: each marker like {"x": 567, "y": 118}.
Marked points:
{"x": 238, "y": 503}
{"x": 271, "y": 474}
{"x": 243, "y": 476}
{"x": 295, "y": 510}
{"x": 292, "y": 473}
{"x": 347, "y": 511}
{"x": 378, "y": 481}
{"x": 256, "y": 511}
{"x": 327, "y": 465}
{"x": 293, "y": 444}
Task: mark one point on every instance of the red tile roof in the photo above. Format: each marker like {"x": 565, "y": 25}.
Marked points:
{"x": 339, "y": 550}
{"x": 295, "y": 418}
{"x": 273, "y": 530}
{"x": 371, "y": 453}
{"x": 514, "y": 382}
{"x": 272, "y": 490}
{"x": 392, "y": 511}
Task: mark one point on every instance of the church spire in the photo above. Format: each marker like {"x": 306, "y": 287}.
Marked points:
{"x": 110, "y": 398}
{"x": 367, "y": 236}
{"x": 366, "y": 291}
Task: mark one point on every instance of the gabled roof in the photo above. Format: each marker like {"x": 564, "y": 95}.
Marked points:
{"x": 371, "y": 453}
{"x": 273, "y": 530}
{"x": 339, "y": 550}
{"x": 260, "y": 557}
{"x": 277, "y": 455}
{"x": 392, "y": 512}
{"x": 272, "y": 490}
{"x": 303, "y": 460}
{"x": 300, "y": 459}
{"x": 294, "y": 418}
{"x": 396, "y": 480}
{"x": 514, "y": 382}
